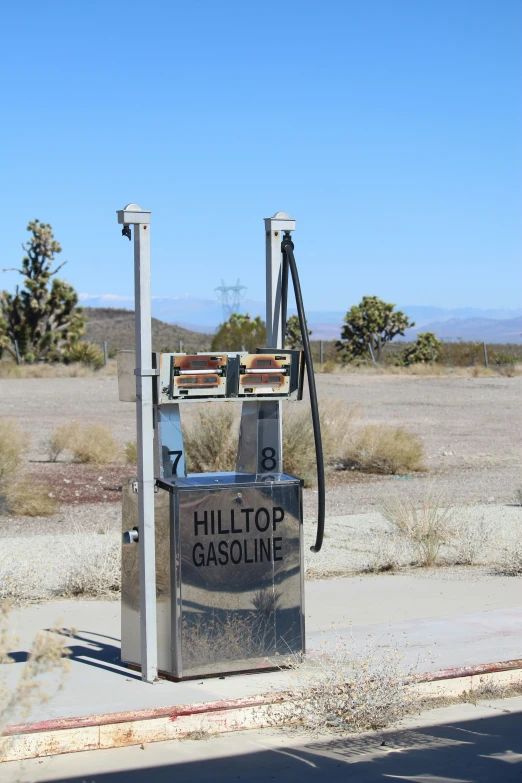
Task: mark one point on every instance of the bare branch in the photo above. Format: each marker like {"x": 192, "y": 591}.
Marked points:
{"x": 57, "y": 268}
{"x": 12, "y": 269}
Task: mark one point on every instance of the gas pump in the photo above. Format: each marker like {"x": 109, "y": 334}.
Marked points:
{"x": 212, "y": 563}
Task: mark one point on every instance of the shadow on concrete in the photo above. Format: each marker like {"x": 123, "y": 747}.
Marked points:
{"x": 473, "y": 751}
{"x": 95, "y": 651}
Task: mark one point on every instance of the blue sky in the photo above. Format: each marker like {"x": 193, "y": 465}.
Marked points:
{"x": 390, "y": 129}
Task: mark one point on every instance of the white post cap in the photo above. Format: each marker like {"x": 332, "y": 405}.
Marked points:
{"x": 133, "y": 214}
{"x": 280, "y": 222}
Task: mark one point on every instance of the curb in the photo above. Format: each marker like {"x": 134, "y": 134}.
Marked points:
{"x": 115, "y": 730}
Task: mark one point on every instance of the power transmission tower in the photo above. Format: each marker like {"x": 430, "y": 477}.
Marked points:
{"x": 231, "y": 296}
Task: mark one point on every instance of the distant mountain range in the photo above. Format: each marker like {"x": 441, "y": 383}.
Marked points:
{"x": 203, "y": 315}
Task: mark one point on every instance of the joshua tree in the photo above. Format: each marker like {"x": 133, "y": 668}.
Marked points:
{"x": 42, "y": 317}
{"x": 293, "y": 332}
{"x": 372, "y": 322}
{"x": 240, "y": 331}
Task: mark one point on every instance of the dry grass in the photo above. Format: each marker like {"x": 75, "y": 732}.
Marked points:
{"x": 47, "y": 659}
{"x": 337, "y": 423}
{"x": 22, "y": 497}
{"x": 13, "y": 443}
{"x": 9, "y": 369}
{"x": 131, "y": 452}
{"x": 509, "y": 561}
{"x": 388, "y": 552}
{"x": 378, "y": 448}
{"x": 30, "y": 500}
{"x": 473, "y": 539}
{"x": 88, "y": 443}
{"x": 425, "y": 370}
{"x": 211, "y": 440}
{"x": 428, "y": 528}
{"x": 17, "y": 580}
{"x": 93, "y": 564}
{"x": 352, "y": 687}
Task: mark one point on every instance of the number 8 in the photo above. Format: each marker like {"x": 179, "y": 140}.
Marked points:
{"x": 268, "y": 455}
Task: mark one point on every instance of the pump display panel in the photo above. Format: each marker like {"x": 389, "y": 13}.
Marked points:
{"x": 262, "y": 375}
{"x": 274, "y": 374}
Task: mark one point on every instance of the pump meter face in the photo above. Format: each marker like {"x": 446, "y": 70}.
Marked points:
{"x": 263, "y": 375}
{"x": 266, "y": 374}
{"x": 192, "y": 376}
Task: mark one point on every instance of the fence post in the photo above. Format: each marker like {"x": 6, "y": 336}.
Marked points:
{"x": 17, "y": 352}
{"x": 321, "y": 353}
{"x": 372, "y": 354}
{"x": 105, "y": 352}
{"x": 486, "y": 360}
{"x": 432, "y": 353}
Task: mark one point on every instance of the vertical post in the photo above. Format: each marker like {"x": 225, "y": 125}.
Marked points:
{"x": 372, "y": 354}
{"x": 486, "y": 360}
{"x": 274, "y": 228}
{"x": 432, "y": 353}
{"x": 321, "y": 353}
{"x": 260, "y": 438}
{"x": 105, "y": 352}
{"x": 17, "y": 352}
{"x": 181, "y": 346}
{"x": 132, "y": 214}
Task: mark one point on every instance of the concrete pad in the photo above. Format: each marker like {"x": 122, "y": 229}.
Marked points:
{"x": 418, "y": 615}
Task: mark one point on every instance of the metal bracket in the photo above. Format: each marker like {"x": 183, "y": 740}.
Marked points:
{"x": 144, "y": 373}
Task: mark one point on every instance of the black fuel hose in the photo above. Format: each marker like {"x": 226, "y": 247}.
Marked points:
{"x": 287, "y": 248}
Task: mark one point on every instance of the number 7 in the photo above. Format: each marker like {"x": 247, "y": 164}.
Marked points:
{"x": 176, "y": 461}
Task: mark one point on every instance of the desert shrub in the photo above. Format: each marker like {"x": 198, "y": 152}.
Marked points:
{"x": 509, "y": 562}
{"x": 298, "y": 444}
{"x": 131, "y": 452}
{"x": 9, "y": 369}
{"x": 428, "y": 528}
{"x": 503, "y": 358}
{"x": 472, "y": 539}
{"x": 47, "y": 660}
{"x": 352, "y": 687}
{"x": 85, "y": 353}
{"x": 17, "y": 580}
{"x": 329, "y": 366}
{"x": 93, "y": 564}
{"x": 337, "y": 422}
{"x": 388, "y": 552}
{"x": 13, "y": 443}
{"x": 30, "y": 500}
{"x": 378, "y": 448}
{"x": 211, "y": 440}
{"x": 90, "y": 443}
{"x": 425, "y": 349}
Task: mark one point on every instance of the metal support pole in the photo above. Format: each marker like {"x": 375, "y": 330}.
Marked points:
{"x": 321, "y": 352}
{"x": 274, "y": 228}
{"x": 132, "y": 214}
{"x": 105, "y": 352}
{"x": 260, "y": 439}
{"x": 486, "y": 360}
{"x": 372, "y": 354}
{"x": 17, "y": 352}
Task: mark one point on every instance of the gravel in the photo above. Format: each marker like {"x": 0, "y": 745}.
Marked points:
{"x": 471, "y": 429}
{"x": 349, "y": 545}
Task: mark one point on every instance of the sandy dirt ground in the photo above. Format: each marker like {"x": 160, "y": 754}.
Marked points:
{"x": 471, "y": 429}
